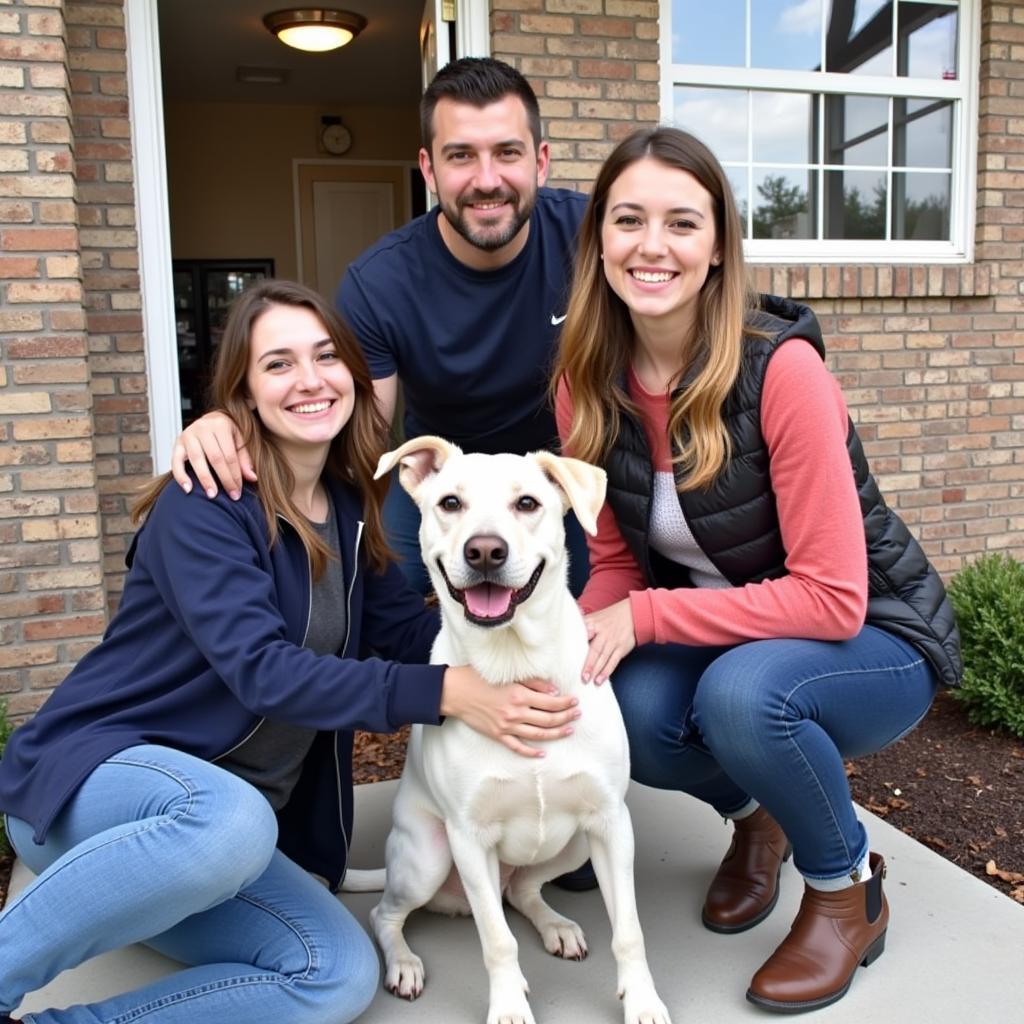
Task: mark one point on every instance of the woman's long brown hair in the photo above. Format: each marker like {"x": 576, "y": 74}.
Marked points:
{"x": 353, "y": 453}
{"x": 598, "y": 338}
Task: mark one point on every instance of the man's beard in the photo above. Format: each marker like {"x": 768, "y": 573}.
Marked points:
{"x": 494, "y": 238}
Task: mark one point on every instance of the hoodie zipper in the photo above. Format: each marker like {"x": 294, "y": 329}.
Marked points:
{"x": 348, "y": 633}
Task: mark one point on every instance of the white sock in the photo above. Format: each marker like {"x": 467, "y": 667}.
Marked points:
{"x": 860, "y": 873}
{"x": 745, "y": 811}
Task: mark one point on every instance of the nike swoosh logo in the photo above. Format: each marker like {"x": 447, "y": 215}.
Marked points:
{"x": 556, "y": 320}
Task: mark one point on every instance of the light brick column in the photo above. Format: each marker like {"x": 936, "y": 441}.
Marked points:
{"x": 51, "y": 585}
{"x": 594, "y": 67}
{"x": 110, "y": 269}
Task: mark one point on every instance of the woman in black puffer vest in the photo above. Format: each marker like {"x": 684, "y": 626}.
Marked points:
{"x": 765, "y": 613}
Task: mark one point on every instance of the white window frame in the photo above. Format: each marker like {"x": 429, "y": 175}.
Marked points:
{"x": 964, "y": 92}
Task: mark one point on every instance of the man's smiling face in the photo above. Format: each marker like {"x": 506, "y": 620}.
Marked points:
{"x": 485, "y": 169}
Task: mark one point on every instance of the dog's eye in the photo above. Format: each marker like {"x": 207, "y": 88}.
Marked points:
{"x": 449, "y": 503}
{"x": 527, "y": 504}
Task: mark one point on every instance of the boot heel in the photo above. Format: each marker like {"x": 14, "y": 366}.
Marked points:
{"x": 874, "y": 951}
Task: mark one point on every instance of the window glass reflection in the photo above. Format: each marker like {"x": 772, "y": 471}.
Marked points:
{"x": 718, "y": 117}
{"x": 864, "y": 11}
{"x": 854, "y": 204}
{"x": 920, "y": 208}
{"x": 923, "y": 131}
{"x": 738, "y": 181}
{"x": 782, "y": 127}
{"x": 927, "y": 40}
{"x": 786, "y": 34}
{"x": 709, "y": 33}
{"x": 858, "y": 37}
{"x": 857, "y": 130}
{"x": 783, "y": 204}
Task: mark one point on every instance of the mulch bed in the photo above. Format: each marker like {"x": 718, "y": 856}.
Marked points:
{"x": 953, "y": 786}
{"x": 956, "y": 787}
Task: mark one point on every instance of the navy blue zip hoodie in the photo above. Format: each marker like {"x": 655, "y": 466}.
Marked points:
{"x": 207, "y": 642}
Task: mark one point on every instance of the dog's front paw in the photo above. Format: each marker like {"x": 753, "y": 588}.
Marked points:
{"x": 511, "y": 1014}
{"x": 508, "y": 999}
{"x": 564, "y": 938}
{"x": 645, "y": 1007}
{"x": 404, "y": 976}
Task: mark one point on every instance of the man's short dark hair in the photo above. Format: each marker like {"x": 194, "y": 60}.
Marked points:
{"x": 478, "y": 81}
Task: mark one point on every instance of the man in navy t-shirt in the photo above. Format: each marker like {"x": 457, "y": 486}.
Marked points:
{"x": 463, "y": 305}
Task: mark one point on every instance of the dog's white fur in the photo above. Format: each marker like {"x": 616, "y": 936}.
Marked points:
{"x": 506, "y": 821}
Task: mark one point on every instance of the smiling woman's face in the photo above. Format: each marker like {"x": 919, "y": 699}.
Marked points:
{"x": 298, "y": 386}
{"x": 658, "y": 241}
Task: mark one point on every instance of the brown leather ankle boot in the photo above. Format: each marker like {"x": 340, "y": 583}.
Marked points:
{"x": 746, "y": 887}
{"x": 832, "y": 934}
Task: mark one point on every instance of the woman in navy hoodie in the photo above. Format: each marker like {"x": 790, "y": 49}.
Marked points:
{"x": 193, "y": 773}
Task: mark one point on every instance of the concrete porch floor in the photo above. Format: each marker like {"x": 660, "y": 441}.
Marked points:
{"x": 953, "y": 953}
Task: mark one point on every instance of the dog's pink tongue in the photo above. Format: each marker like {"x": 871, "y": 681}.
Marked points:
{"x": 487, "y": 600}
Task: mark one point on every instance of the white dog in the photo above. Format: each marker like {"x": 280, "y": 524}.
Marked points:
{"x": 493, "y": 540}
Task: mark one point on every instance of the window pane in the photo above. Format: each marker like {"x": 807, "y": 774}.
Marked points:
{"x": 718, "y": 117}
{"x": 865, "y": 11}
{"x": 738, "y": 180}
{"x": 854, "y": 204}
{"x": 923, "y": 133}
{"x": 783, "y": 206}
{"x": 858, "y": 39}
{"x": 709, "y": 33}
{"x": 857, "y": 130}
{"x": 782, "y": 129}
{"x": 786, "y": 34}
{"x": 927, "y": 40}
{"x": 920, "y": 206}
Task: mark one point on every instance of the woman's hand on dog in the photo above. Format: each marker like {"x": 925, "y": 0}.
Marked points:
{"x": 611, "y": 636}
{"x": 529, "y": 710}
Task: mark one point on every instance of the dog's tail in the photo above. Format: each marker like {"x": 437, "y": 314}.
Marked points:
{"x": 357, "y": 880}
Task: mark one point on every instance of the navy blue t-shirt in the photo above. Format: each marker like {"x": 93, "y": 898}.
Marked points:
{"x": 473, "y": 349}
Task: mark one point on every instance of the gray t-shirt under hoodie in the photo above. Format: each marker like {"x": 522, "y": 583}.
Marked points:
{"x": 271, "y": 757}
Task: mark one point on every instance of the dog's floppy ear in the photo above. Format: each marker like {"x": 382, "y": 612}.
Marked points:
{"x": 582, "y": 485}
{"x": 417, "y": 459}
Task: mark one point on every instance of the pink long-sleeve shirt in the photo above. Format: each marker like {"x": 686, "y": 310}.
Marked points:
{"x": 823, "y": 596}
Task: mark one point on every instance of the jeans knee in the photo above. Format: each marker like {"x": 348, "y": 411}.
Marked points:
{"x": 732, "y": 707}
{"x": 244, "y": 834}
{"x": 224, "y": 834}
{"x": 345, "y": 981}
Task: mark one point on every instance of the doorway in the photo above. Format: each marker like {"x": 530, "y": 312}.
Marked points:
{"x": 221, "y": 144}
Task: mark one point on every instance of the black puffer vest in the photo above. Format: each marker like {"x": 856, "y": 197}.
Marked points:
{"x": 735, "y": 522}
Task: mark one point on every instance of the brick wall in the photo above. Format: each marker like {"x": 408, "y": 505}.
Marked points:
{"x": 594, "y": 67}
{"x": 110, "y": 268}
{"x": 51, "y": 588}
{"x": 931, "y": 358}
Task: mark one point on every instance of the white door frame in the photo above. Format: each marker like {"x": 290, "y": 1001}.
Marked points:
{"x": 153, "y": 223}
{"x": 152, "y": 209}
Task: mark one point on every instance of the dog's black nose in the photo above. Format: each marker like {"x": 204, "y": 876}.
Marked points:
{"x": 485, "y": 553}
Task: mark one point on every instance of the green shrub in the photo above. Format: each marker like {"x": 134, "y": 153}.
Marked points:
{"x": 988, "y": 597}
{"x": 5, "y": 730}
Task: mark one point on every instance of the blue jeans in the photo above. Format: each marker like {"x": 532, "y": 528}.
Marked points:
{"x": 167, "y": 849}
{"x": 773, "y": 720}
{"x": 402, "y": 525}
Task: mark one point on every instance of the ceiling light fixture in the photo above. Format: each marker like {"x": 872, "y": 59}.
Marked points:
{"x": 314, "y": 28}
